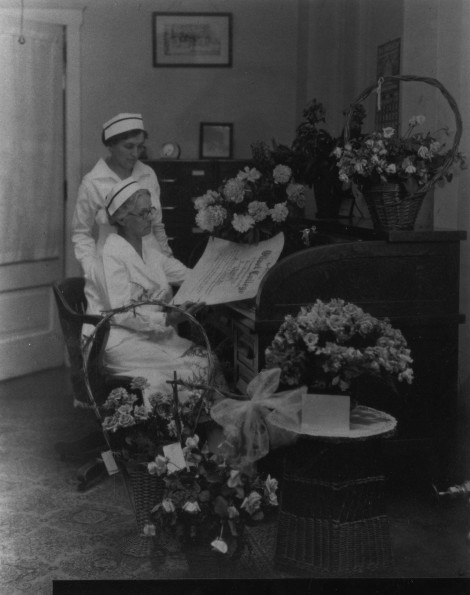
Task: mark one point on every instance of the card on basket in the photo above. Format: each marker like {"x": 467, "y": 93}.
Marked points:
{"x": 325, "y": 413}
{"x": 109, "y": 462}
{"x": 175, "y": 456}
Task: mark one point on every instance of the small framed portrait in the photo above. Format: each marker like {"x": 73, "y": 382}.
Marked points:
{"x": 215, "y": 140}
{"x": 192, "y": 39}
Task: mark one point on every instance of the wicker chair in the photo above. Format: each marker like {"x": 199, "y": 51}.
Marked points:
{"x": 71, "y": 304}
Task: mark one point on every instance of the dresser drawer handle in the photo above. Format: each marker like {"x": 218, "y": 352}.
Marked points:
{"x": 168, "y": 208}
{"x": 168, "y": 180}
{"x": 198, "y": 172}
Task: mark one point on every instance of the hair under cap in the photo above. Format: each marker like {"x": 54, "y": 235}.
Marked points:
{"x": 121, "y": 192}
{"x": 122, "y": 123}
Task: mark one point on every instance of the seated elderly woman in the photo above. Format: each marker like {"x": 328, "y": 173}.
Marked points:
{"x": 144, "y": 341}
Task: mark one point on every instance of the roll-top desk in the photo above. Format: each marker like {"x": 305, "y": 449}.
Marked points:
{"x": 410, "y": 277}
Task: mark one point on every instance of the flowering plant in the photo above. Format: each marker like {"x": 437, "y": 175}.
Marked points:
{"x": 203, "y": 495}
{"x": 138, "y": 432}
{"x": 252, "y": 206}
{"x": 384, "y": 157}
{"x": 329, "y": 345}
{"x": 210, "y": 498}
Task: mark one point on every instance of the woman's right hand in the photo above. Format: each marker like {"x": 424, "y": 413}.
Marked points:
{"x": 175, "y": 317}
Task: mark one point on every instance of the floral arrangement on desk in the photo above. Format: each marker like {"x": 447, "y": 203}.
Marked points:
{"x": 385, "y": 157}
{"x": 252, "y": 206}
{"x": 205, "y": 496}
{"x": 328, "y": 345}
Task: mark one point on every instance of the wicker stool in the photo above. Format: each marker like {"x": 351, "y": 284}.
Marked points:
{"x": 332, "y": 518}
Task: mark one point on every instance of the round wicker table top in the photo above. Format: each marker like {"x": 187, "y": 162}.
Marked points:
{"x": 364, "y": 423}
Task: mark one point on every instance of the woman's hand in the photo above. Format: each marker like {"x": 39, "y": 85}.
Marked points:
{"x": 175, "y": 317}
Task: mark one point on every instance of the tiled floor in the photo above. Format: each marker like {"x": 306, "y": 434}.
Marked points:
{"x": 428, "y": 538}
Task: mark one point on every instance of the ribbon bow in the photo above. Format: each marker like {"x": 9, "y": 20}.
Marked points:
{"x": 266, "y": 420}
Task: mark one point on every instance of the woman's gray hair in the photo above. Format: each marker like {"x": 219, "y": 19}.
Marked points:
{"x": 125, "y": 208}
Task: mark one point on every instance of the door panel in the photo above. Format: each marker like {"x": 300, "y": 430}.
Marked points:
{"x": 31, "y": 196}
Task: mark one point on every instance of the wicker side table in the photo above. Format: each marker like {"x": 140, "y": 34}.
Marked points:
{"x": 332, "y": 518}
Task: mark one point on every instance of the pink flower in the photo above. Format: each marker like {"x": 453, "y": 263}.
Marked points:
{"x": 158, "y": 466}
{"x": 252, "y": 503}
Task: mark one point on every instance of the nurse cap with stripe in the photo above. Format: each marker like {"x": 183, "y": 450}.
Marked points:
{"x": 122, "y": 123}
{"x": 121, "y": 192}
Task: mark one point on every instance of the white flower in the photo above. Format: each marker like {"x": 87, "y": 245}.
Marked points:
{"x": 252, "y": 503}
{"x": 191, "y": 507}
{"x": 270, "y": 486}
{"x": 149, "y": 530}
{"x": 296, "y": 194}
{"x": 211, "y": 217}
{"x": 388, "y": 132}
{"x": 234, "y": 190}
{"x": 258, "y": 210}
{"x": 391, "y": 168}
{"x": 279, "y": 212}
{"x": 158, "y": 466}
{"x": 168, "y": 505}
{"x": 219, "y": 545}
{"x": 242, "y": 223}
{"x": 209, "y": 198}
{"x": 192, "y": 441}
{"x": 250, "y": 175}
{"x": 424, "y": 153}
{"x": 282, "y": 174}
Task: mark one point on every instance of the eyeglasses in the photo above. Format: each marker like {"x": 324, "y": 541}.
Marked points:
{"x": 145, "y": 213}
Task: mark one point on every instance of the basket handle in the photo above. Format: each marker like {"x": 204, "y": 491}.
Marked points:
{"x": 451, "y": 101}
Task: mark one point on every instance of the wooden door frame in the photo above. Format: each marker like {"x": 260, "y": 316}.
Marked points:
{"x": 72, "y": 20}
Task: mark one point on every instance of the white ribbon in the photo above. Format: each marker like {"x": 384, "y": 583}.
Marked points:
{"x": 249, "y": 424}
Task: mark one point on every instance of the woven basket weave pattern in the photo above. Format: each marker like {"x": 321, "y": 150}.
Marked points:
{"x": 339, "y": 549}
{"x": 147, "y": 491}
{"x": 390, "y": 209}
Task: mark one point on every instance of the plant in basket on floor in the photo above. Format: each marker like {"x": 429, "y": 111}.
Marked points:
{"x": 203, "y": 500}
{"x": 208, "y": 502}
{"x": 138, "y": 433}
{"x": 330, "y": 345}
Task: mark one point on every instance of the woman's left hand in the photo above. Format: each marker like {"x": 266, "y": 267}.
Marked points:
{"x": 175, "y": 317}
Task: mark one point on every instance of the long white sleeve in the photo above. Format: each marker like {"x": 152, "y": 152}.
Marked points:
{"x": 82, "y": 228}
{"x": 119, "y": 287}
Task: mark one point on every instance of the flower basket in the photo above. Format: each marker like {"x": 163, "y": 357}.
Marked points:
{"x": 145, "y": 491}
{"x": 391, "y": 207}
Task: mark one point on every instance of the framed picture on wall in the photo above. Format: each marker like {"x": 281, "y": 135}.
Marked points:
{"x": 215, "y": 140}
{"x": 192, "y": 39}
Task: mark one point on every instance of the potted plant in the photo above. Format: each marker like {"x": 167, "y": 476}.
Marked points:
{"x": 200, "y": 499}
{"x": 329, "y": 346}
{"x": 394, "y": 172}
{"x": 254, "y": 205}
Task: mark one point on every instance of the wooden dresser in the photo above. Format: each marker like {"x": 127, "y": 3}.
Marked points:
{"x": 181, "y": 181}
{"x": 410, "y": 277}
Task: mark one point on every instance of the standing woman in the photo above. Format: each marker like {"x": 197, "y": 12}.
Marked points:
{"x": 124, "y": 136}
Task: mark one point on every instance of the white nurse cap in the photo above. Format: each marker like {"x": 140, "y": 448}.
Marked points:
{"x": 121, "y": 192}
{"x": 122, "y": 123}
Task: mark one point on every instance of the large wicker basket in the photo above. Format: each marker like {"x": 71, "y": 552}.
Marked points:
{"x": 390, "y": 206}
{"x": 145, "y": 492}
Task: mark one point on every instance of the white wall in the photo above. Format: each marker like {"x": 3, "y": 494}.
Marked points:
{"x": 257, "y": 94}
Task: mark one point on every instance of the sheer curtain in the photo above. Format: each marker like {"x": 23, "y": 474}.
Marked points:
{"x": 31, "y": 146}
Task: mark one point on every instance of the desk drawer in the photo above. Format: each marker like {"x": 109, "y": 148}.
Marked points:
{"x": 245, "y": 347}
